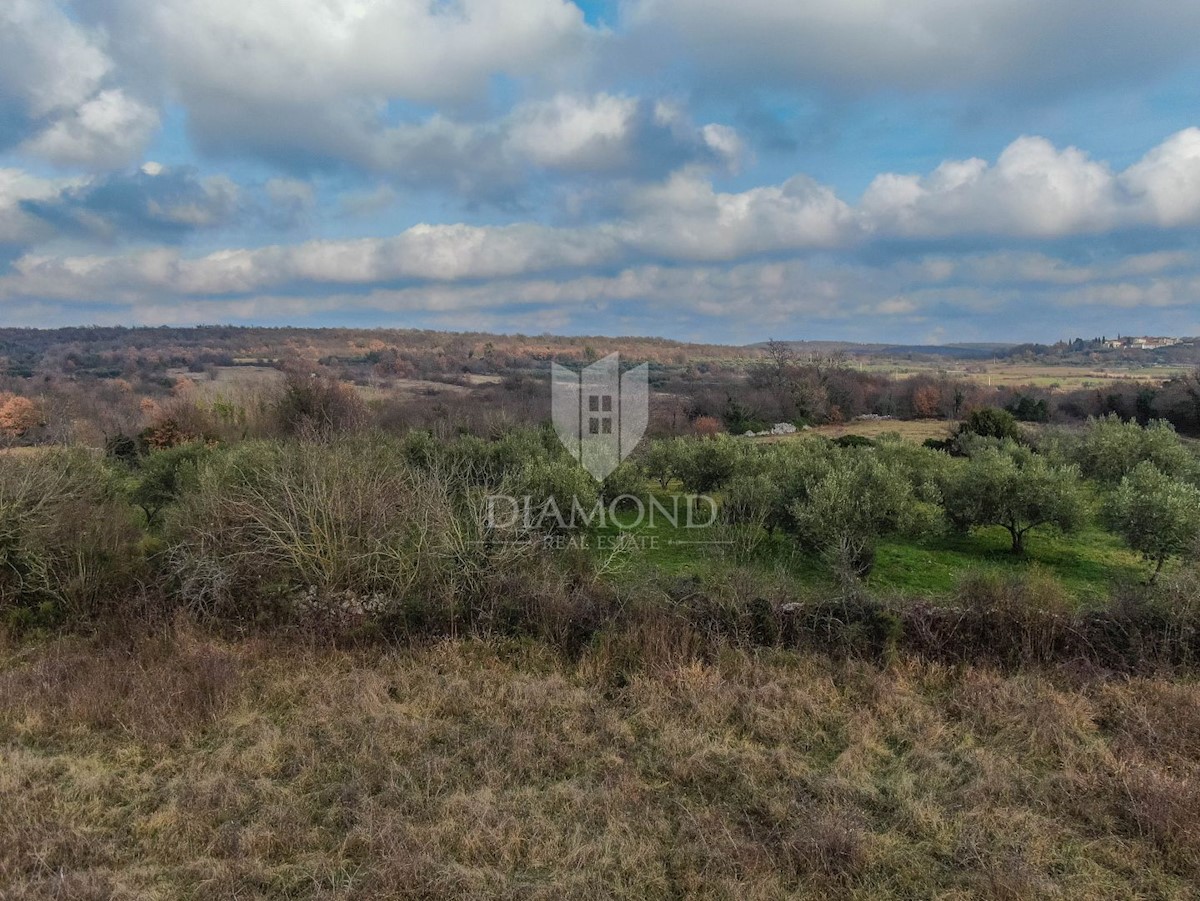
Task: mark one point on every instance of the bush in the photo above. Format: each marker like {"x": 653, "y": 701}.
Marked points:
{"x": 340, "y": 527}
{"x": 163, "y": 477}
{"x": 69, "y": 544}
{"x": 555, "y": 488}
{"x": 1029, "y": 409}
{"x": 853, "y": 441}
{"x": 754, "y": 506}
{"x": 316, "y": 403}
{"x": 992, "y": 422}
{"x": 844, "y": 510}
{"x": 706, "y": 464}
{"x": 660, "y": 460}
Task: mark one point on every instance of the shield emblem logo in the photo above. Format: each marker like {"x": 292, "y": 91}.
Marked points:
{"x": 599, "y": 414}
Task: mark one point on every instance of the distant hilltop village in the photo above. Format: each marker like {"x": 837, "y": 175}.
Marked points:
{"x": 1142, "y": 343}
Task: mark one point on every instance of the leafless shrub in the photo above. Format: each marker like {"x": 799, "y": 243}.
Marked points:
{"x": 67, "y": 538}
{"x": 342, "y": 525}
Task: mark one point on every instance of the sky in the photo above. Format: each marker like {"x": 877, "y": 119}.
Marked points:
{"x": 931, "y": 171}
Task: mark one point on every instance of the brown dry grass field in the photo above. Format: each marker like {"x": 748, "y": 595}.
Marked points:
{"x": 916, "y": 430}
{"x": 1065, "y": 378}
{"x": 187, "y": 767}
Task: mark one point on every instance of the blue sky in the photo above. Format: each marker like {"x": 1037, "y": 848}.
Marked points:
{"x": 932, "y": 171}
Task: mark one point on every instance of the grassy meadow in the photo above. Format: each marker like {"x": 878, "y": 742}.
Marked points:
{"x": 182, "y": 766}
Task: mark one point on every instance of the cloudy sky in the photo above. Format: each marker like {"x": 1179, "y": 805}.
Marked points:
{"x": 917, "y": 171}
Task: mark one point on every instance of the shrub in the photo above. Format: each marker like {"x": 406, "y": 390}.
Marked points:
{"x": 660, "y": 460}
{"x": 122, "y": 448}
{"x": 555, "y": 488}
{"x": 853, "y": 441}
{"x": 1029, "y": 409}
{"x": 704, "y": 465}
{"x": 992, "y": 422}
{"x": 69, "y": 545}
{"x": 316, "y": 403}
{"x": 739, "y": 419}
{"x": 18, "y": 415}
{"x": 163, "y": 477}
{"x": 626, "y": 481}
{"x": 754, "y": 506}
{"x": 313, "y": 525}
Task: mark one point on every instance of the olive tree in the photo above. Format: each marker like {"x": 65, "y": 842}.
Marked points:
{"x": 847, "y": 506}
{"x": 1157, "y": 515}
{"x": 1110, "y": 449}
{"x": 704, "y": 464}
{"x": 1014, "y": 488}
{"x": 164, "y": 476}
{"x": 660, "y": 461}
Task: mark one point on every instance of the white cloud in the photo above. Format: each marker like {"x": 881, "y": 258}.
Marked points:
{"x": 731, "y": 303}
{"x": 569, "y": 133}
{"x": 314, "y": 51}
{"x": 323, "y": 80}
{"x": 686, "y": 232}
{"x": 55, "y": 90}
{"x": 600, "y": 134}
{"x": 1033, "y": 189}
{"x": 48, "y": 63}
{"x": 686, "y": 219}
{"x": 106, "y": 131}
{"x": 424, "y": 252}
{"x": 1165, "y": 183}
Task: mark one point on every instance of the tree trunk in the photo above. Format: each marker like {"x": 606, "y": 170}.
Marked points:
{"x": 1157, "y": 569}
{"x": 1018, "y": 541}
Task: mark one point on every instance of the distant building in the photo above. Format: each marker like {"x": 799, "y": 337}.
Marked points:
{"x": 1141, "y": 343}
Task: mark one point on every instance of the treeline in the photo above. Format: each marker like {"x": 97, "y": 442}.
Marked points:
{"x": 805, "y": 391}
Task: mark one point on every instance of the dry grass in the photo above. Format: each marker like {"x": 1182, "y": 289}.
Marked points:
{"x": 184, "y": 767}
{"x": 23, "y": 452}
{"x": 916, "y": 430}
{"x": 999, "y": 374}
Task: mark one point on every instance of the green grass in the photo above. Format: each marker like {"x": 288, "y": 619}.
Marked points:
{"x": 1088, "y": 563}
